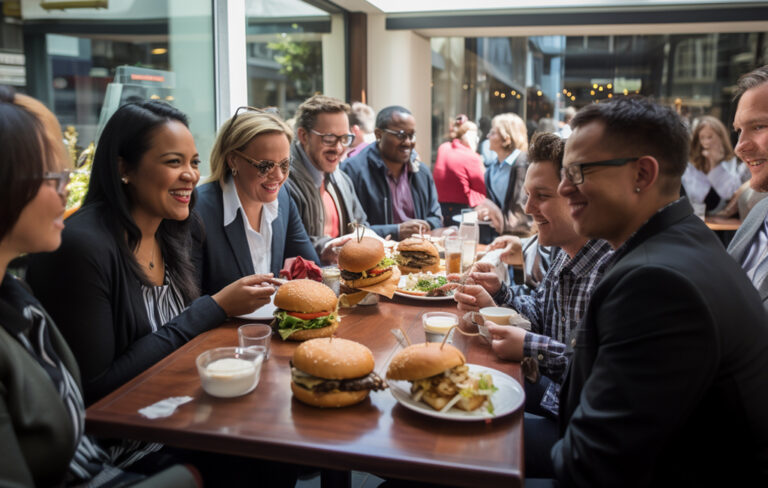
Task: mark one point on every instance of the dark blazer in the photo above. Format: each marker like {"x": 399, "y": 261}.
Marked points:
{"x": 223, "y": 255}
{"x": 369, "y": 176}
{"x": 668, "y": 384}
{"x": 743, "y": 238}
{"x": 96, "y": 300}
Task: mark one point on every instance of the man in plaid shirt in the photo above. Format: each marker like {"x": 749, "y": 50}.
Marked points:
{"x": 558, "y": 303}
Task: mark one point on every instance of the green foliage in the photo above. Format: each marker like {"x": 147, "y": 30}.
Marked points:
{"x": 301, "y": 62}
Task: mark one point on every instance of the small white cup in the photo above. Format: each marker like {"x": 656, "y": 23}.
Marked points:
{"x": 437, "y": 324}
{"x": 498, "y": 315}
{"x": 255, "y": 335}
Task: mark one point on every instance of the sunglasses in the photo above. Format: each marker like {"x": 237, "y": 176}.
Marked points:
{"x": 246, "y": 108}
{"x": 401, "y": 134}
{"x": 332, "y": 139}
{"x": 265, "y": 166}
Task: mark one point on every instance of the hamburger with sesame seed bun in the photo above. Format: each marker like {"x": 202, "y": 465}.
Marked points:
{"x": 417, "y": 255}
{"x": 441, "y": 378}
{"x": 306, "y": 309}
{"x": 364, "y": 263}
{"x": 333, "y": 372}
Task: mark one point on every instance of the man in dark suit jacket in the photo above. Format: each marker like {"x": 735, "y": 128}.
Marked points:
{"x": 750, "y": 244}
{"x": 668, "y": 385}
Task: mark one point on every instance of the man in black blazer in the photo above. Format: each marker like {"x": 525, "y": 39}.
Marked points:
{"x": 750, "y": 244}
{"x": 668, "y": 385}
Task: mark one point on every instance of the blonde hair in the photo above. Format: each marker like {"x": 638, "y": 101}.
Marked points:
{"x": 57, "y": 156}
{"x": 235, "y": 135}
{"x": 512, "y": 131}
{"x": 464, "y": 128}
{"x": 697, "y": 158}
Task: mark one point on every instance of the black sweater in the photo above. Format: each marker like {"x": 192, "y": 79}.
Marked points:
{"x": 94, "y": 297}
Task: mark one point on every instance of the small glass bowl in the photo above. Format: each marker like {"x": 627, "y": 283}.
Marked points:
{"x": 228, "y": 372}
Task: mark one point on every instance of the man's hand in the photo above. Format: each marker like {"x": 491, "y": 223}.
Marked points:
{"x": 484, "y": 274}
{"x": 512, "y": 246}
{"x": 407, "y": 229}
{"x": 489, "y": 211}
{"x": 330, "y": 254}
{"x": 471, "y": 298}
{"x": 507, "y": 341}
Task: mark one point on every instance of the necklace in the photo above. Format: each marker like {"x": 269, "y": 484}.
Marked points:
{"x": 152, "y": 259}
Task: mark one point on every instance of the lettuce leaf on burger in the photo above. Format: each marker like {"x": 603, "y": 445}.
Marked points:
{"x": 306, "y": 309}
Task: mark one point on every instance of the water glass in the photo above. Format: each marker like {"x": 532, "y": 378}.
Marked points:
{"x": 255, "y": 335}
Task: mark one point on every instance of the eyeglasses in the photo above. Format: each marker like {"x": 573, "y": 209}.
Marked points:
{"x": 264, "y": 167}
{"x": 61, "y": 178}
{"x": 575, "y": 172}
{"x": 332, "y": 139}
{"x": 401, "y": 134}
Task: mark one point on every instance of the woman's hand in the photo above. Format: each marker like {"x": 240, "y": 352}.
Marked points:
{"x": 489, "y": 211}
{"x": 330, "y": 253}
{"x": 246, "y": 294}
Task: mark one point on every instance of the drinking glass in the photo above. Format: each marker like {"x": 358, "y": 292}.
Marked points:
{"x": 469, "y": 233}
{"x": 255, "y": 335}
{"x": 452, "y": 254}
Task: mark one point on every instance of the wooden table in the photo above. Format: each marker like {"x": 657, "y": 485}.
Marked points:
{"x": 722, "y": 223}
{"x": 378, "y": 436}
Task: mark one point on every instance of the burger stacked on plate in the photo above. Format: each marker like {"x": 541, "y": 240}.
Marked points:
{"x": 417, "y": 255}
{"x": 333, "y": 373}
{"x": 306, "y": 309}
{"x": 364, "y": 263}
{"x": 440, "y": 378}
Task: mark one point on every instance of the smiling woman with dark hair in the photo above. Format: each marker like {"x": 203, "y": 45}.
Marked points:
{"x": 121, "y": 286}
{"x": 41, "y": 405}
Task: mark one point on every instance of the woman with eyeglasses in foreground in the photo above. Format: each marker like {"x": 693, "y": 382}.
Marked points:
{"x": 41, "y": 405}
{"x": 251, "y": 222}
{"x": 122, "y": 285}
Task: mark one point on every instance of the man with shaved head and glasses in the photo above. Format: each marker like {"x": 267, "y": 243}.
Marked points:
{"x": 400, "y": 194}
{"x": 324, "y": 195}
{"x": 667, "y": 383}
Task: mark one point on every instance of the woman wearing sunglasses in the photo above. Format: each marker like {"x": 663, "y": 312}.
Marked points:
{"x": 122, "y": 286}
{"x": 42, "y": 419}
{"x": 251, "y": 223}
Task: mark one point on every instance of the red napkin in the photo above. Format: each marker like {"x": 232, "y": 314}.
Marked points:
{"x": 298, "y": 267}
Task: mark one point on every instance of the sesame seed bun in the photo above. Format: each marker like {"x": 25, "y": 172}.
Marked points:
{"x": 361, "y": 256}
{"x": 306, "y": 296}
{"x": 333, "y": 359}
{"x": 420, "y": 361}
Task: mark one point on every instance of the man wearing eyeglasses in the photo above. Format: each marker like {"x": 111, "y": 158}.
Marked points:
{"x": 400, "y": 194}
{"x": 324, "y": 195}
{"x": 750, "y": 244}
{"x": 667, "y": 383}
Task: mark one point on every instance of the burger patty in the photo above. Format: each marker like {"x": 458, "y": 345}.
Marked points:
{"x": 372, "y": 381}
{"x": 350, "y": 276}
{"x": 416, "y": 259}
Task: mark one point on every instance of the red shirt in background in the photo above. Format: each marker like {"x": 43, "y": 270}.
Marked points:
{"x": 458, "y": 174}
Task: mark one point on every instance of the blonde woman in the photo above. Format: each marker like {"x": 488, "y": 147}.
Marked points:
{"x": 714, "y": 173}
{"x": 504, "y": 177}
{"x": 251, "y": 223}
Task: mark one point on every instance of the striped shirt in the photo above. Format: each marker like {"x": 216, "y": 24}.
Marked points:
{"x": 163, "y": 302}
{"x": 556, "y": 307}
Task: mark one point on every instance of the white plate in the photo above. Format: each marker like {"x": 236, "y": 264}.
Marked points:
{"x": 509, "y": 397}
{"x": 261, "y": 313}
{"x": 457, "y": 219}
{"x": 424, "y": 298}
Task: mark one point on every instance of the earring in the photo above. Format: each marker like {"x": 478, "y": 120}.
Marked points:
{"x": 637, "y": 189}
{"x": 234, "y": 171}
{"x": 124, "y": 179}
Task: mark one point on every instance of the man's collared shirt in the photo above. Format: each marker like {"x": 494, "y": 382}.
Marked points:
{"x": 403, "y": 208}
{"x": 556, "y": 307}
{"x": 259, "y": 243}
{"x": 499, "y": 174}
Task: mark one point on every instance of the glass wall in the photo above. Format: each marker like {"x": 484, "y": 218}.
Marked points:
{"x": 85, "y": 62}
{"x": 286, "y": 42}
{"x": 538, "y": 77}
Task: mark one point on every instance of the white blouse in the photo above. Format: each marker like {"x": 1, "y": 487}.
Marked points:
{"x": 725, "y": 179}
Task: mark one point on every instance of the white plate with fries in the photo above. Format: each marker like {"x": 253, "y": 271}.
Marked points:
{"x": 507, "y": 399}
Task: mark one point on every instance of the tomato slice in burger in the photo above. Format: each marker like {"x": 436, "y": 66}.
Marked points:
{"x": 376, "y": 271}
{"x": 308, "y": 316}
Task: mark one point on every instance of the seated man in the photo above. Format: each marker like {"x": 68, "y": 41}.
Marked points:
{"x": 557, "y": 305}
{"x": 667, "y": 383}
{"x": 750, "y": 244}
{"x": 325, "y": 197}
{"x": 397, "y": 193}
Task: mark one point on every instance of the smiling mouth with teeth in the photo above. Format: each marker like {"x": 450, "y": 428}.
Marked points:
{"x": 756, "y": 163}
